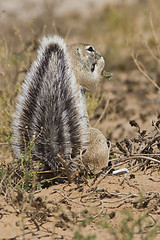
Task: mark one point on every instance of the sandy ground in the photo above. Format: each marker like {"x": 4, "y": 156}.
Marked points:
{"x": 59, "y": 211}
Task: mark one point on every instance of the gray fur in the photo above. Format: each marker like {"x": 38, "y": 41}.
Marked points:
{"x": 49, "y": 107}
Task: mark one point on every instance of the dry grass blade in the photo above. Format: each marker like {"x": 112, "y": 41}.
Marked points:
{"x": 144, "y": 72}
{"x": 102, "y": 114}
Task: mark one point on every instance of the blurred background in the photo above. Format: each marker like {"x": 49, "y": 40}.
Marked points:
{"x": 125, "y": 32}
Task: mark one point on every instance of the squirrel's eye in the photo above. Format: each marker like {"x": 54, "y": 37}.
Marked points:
{"x": 90, "y": 49}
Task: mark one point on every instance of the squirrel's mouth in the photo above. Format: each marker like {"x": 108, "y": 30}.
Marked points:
{"x": 105, "y": 74}
{"x": 93, "y": 67}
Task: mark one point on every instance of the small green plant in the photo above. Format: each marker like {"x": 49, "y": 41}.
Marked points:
{"x": 79, "y": 236}
{"x": 130, "y": 228}
{"x": 86, "y": 221}
{"x": 14, "y": 64}
{"x": 22, "y": 173}
{"x": 19, "y": 174}
{"x": 93, "y": 100}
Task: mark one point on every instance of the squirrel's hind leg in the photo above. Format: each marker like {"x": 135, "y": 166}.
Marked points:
{"x": 97, "y": 154}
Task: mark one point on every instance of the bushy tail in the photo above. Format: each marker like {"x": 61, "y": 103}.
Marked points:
{"x": 49, "y": 109}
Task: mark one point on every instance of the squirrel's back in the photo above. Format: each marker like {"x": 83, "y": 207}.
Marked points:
{"x": 48, "y": 117}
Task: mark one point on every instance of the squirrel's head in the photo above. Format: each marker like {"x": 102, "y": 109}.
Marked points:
{"x": 87, "y": 64}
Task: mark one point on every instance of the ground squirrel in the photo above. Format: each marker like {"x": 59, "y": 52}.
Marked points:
{"x": 51, "y": 107}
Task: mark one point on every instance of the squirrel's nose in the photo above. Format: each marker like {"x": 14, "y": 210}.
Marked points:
{"x": 98, "y": 56}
